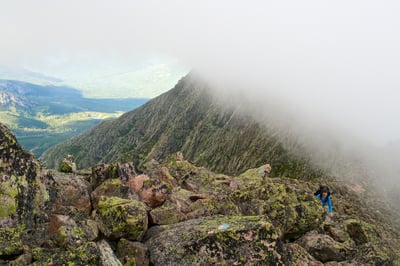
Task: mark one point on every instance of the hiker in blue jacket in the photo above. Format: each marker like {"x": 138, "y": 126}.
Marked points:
{"x": 325, "y": 198}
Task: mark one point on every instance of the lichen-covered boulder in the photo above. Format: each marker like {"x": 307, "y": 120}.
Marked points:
{"x": 337, "y": 232}
{"x": 23, "y": 194}
{"x": 73, "y": 195}
{"x": 154, "y": 194}
{"x": 57, "y": 221}
{"x": 287, "y": 202}
{"x": 121, "y": 218}
{"x": 86, "y": 254}
{"x": 107, "y": 255}
{"x": 215, "y": 240}
{"x": 299, "y": 218}
{"x": 122, "y": 171}
{"x": 69, "y": 237}
{"x": 184, "y": 205}
{"x": 325, "y": 248}
{"x": 11, "y": 245}
{"x": 90, "y": 229}
{"x": 112, "y": 188}
{"x": 294, "y": 254}
{"x": 68, "y": 164}
{"x": 166, "y": 214}
{"x": 24, "y": 259}
{"x": 374, "y": 244}
{"x": 132, "y": 253}
{"x": 357, "y": 231}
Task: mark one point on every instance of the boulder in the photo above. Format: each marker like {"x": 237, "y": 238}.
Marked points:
{"x": 284, "y": 201}
{"x": 324, "y": 248}
{"x": 184, "y": 205}
{"x": 166, "y": 214}
{"x": 90, "y": 229}
{"x": 136, "y": 183}
{"x": 215, "y": 240}
{"x": 57, "y": 221}
{"x": 73, "y": 195}
{"x": 121, "y": 218}
{"x": 103, "y": 172}
{"x": 107, "y": 255}
{"x": 69, "y": 237}
{"x": 337, "y": 233}
{"x": 132, "y": 253}
{"x": 24, "y": 259}
{"x": 68, "y": 164}
{"x": 110, "y": 187}
{"x": 127, "y": 171}
{"x": 86, "y": 254}
{"x": 294, "y": 254}
{"x": 11, "y": 245}
{"x": 154, "y": 195}
{"x": 357, "y": 231}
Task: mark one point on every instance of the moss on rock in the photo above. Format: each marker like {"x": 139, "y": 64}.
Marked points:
{"x": 10, "y": 242}
{"x": 119, "y": 218}
{"x": 218, "y": 240}
{"x": 85, "y": 254}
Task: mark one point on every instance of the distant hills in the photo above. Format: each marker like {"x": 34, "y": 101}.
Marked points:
{"x": 42, "y": 116}
{"x": 98, "y": 80}
{"x": 188, "y": 119}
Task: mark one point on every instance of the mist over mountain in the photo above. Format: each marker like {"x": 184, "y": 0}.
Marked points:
{"x": 222, "y": 135}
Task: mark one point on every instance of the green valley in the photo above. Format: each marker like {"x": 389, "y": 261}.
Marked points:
{"x": 42, "y": 116}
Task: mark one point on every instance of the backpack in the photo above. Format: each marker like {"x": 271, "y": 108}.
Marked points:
{"x": 320, "y": 189}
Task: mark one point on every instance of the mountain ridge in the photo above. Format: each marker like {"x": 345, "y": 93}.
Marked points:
{"x": 190, "y": 119}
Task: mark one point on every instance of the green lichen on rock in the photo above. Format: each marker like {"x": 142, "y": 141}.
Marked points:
{"x": 70, "y": 236}
{"x": 283, "y": 200}
{"x": 119, "y": 217}
{"x": 65, "y": 167}
{"x": 8, "y": 202}
{"x": 10, "y": 242}
{"x": 166, "y": 214}
{"x": 112, "y": 171}
{"x": 85, "y": 254}
{"x": 368, "y": 236}
{"x": 219, "y": 240}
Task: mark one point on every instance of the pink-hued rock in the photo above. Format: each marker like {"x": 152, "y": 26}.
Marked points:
{"x": 137, "y": 182}
{"x": 73, "y": 194}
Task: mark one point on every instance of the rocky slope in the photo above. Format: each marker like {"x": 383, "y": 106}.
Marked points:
{"x": 189, "y": 119}
{"x": 175, "y": 213}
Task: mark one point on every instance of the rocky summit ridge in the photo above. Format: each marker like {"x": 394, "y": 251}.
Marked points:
{"x": 191, "y": 119}
{"x": 172, "y": 212}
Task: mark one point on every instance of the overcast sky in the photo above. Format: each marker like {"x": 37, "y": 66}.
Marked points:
{"x": 339, "y": 60}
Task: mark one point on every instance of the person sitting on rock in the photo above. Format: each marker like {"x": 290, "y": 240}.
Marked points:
{"x": 325, "y": 198}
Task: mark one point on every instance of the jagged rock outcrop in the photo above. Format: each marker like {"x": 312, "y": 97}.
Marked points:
{"x": 173, "y": 212}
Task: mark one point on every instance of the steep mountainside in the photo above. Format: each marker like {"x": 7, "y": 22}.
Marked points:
{"x": 42, "y": 116}
{"x": 188, "y": 119}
